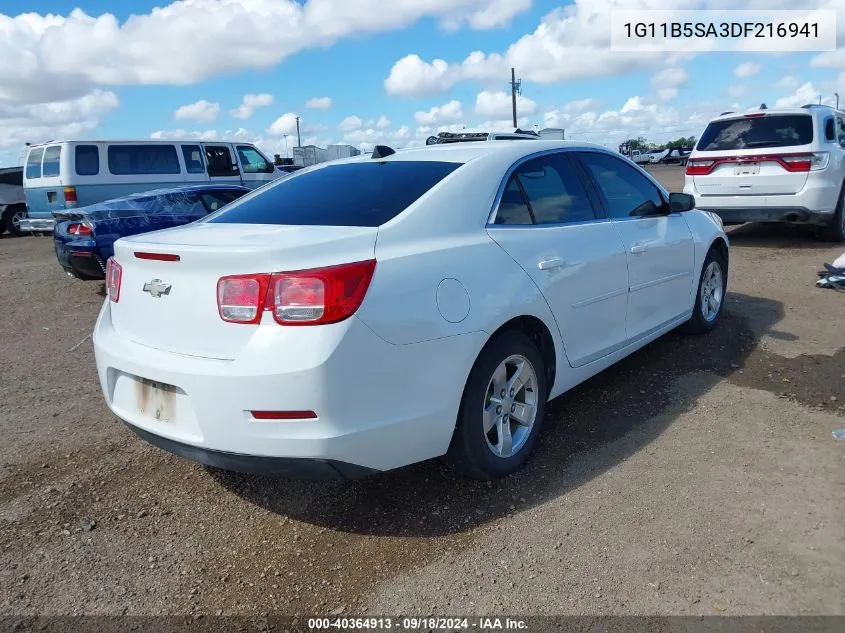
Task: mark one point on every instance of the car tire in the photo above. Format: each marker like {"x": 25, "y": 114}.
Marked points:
{"x": 836, "y": 231}
{"x": 11, "y": 218}
{"x": 473, "y": 451}
{"x": 712, "y": 289}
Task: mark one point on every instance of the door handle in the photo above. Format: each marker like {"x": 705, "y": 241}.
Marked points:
{"x": 551, "y": 264}
{"x": 636, "y": 249}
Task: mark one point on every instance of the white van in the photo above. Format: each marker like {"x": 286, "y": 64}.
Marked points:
{"x": 67, "y": 174}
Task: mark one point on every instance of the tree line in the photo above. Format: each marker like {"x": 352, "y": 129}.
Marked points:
{"x": 642, "y": 144}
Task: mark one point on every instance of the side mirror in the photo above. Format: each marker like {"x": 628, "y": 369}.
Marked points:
{"x": 680, "y": 202}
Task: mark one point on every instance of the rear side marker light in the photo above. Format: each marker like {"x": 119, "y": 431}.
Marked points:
{"x": 158, "y": 257}
{"x": 284, "y": 415}
{"x": 318, "y": 296}
{"x": 114, "y": 275}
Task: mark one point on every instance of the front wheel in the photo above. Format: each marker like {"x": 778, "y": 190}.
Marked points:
{"x": 710, "y": 298}
{"x": 502, "y": 408}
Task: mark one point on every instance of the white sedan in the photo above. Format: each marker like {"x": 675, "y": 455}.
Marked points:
{"x": 366, "y": 314}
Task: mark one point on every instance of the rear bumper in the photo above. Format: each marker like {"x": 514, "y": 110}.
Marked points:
{"x": 791, "y": 215}
{"x": 291, "y": 467}
{"x": 84, "y": 264}
{"x": 38, "y": 224}
{"x": 379, "y": 406}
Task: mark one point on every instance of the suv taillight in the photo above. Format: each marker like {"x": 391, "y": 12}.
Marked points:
{"x": 699, "y": 167}
{"x": 304, "y": 297}
{"x": 114, "y": 275}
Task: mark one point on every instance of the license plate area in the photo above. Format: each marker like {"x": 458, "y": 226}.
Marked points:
{"x": 156, "y": 400}
{"x": 747, "y": 169}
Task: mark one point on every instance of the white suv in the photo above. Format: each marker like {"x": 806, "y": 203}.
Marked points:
{"x": 779, "y": 165}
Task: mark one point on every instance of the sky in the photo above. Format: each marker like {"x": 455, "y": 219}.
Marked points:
{"x": 370, "y": 72}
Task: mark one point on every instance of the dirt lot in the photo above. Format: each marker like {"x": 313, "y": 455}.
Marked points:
{"x": 699, "y": 476}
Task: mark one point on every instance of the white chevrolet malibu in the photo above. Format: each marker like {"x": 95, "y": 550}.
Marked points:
{"x": 370, "y": 313}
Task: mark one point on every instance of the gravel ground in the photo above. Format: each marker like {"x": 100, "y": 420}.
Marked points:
{"x": 699, "y": 476}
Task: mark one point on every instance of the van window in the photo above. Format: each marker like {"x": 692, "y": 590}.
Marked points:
{"x": 193, "y": 159}
{"x": 51, "y": 161}
{"x": 220, "y": 161}
{"x": 829, "y": 130}
{"x": 253, "y": 162}
{"x": 771, "y": 130}
{"x": 87, "y": 160}
{"x": 125, "y": 160}
{"x": 33, "y": 163}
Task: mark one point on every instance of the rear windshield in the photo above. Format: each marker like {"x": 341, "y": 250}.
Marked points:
{"x": 350, "y": 194}
{"x": 781, "y": 130}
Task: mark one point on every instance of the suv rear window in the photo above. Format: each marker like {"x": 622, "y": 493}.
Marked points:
{"x": 351, "y": 194}
{"x": 772, "y": 130}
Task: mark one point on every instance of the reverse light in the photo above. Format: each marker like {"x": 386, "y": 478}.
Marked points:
{"x": 80, "y": 229}
{"x": 318, "y": 296}
{"x": 114, "y": 275}
{"x": 241, "y": 298}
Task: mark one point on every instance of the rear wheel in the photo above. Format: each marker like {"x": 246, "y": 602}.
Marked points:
{"x": 836, "y": 231}
{"x": 710, "y": 298}
{"x": 12, "y": 217}
{"x": 501, "y": 410}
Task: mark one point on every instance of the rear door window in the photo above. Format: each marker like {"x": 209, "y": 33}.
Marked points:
{"x": 87, "y": 160}
{"x": 554, "y": 191}
{"x": 52, "y": 156}
{"x": 126, "y": 160}
{"x": 351, "y": 194}
{"x": 33, "y": 163}
{"x": 771, "y": 130}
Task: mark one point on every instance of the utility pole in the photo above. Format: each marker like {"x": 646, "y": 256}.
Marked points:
{"x": 516, "y": 89}
{"x": 298, "y": 138}
{"x": 837, "y": 100}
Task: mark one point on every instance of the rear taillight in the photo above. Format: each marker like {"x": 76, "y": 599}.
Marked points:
{"x": 305, "y": 297}
{"x": 114, "y": 275}
{"x": 241, "y": 298}
{"x": 70, "y": 196}
{"x": 806, "y": 162}
{"x": 79, "y": 229}
{"x": 699, "y": 167}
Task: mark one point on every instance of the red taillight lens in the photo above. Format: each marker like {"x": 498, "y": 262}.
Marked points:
{"x": 70, "y": 195}
{"x": 284, "y": 415}
{"x": 79, "y": 229}
{"x": 321, "y": 295}
{"x": 699, "y": 167}
{"x": 798, "y": 163}
{"x": 114, "y": 275}
{"x": 241, "y": 298}
{"x": 304, "y": 297}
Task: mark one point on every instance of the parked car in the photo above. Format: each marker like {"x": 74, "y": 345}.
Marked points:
{"x": 84, "y": 238}
{"x": 773, "y": 165}
{"x": 62, "y": 175}
{"x": 12, "y": 200}
{"x": 346, "y": 319}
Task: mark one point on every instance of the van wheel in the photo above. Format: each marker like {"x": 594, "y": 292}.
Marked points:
{"x": 502, "y": 409}
{"x": 836, "y": 231}
{"x": 12, "y": 217}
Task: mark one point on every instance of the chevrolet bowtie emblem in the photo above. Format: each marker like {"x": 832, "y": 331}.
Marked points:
{"x": 157, "y": 288}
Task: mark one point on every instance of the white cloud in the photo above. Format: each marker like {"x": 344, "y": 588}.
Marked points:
{"x": 205, "y": 135}
{"x": 285, "y": 124}
{"x": 804, "y": 94}
{"x": 319, "y": 103}
{"x": 250, "y": 104}
{"x": 350, "y": 124}
{"x": 500, "y": 104}
{"x": 668, "y": 81}
{"x": 747, "y": 69}
{"x": 383, "y": 122}
{"x": 53, "y": 57}
{"x": 788, "y": 83}
{"x": 452, "y": 111}
{"x": 69, "y": 119}
{"x": 201, "y": 111}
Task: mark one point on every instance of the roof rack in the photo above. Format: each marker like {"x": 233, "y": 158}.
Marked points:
{"x": 466, "y": 137}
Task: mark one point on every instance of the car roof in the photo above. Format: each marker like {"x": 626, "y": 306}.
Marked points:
{"x": 141, "y": 141}
{"x": 807, "y": 110}
{"x": 467, "y": 151}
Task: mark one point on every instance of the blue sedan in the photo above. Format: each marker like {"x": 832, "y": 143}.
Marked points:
{"x": 84, "y": 238}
